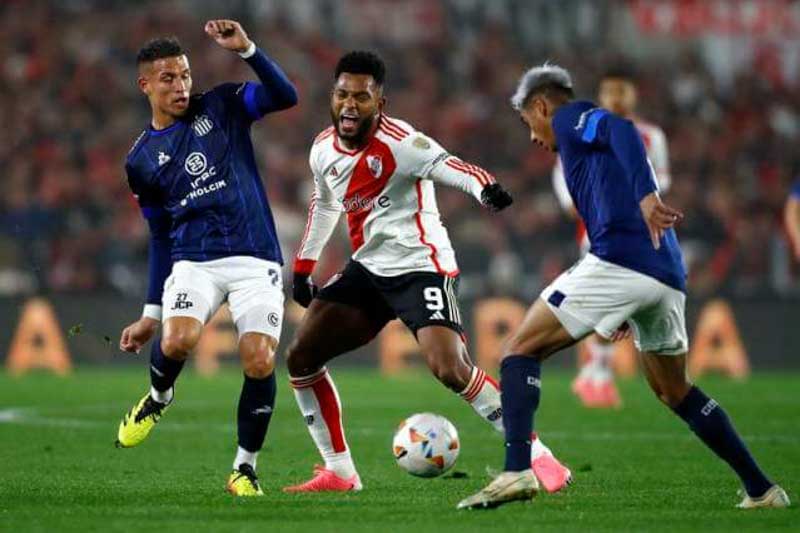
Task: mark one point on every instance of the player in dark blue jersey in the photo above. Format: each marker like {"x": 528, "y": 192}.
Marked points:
{"x": 633, "y": 275}
{"x": 194, "y": 174}
{"x": 791, "y": 217}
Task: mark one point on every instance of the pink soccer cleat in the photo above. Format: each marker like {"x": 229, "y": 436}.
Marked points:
{"x": 551, "y": 474}
{"x": 608, "y": 395}
{"x": 586, "y": 391}
{"x": 325, "y": 480}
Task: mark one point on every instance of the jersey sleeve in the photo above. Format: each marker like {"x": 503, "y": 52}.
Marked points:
{"x": 323, "y": 214}
{"x": 430, "y": 161}
{"x": 599, "y": 128}
{"x": 252, "y": 100}
{"x": 160, "y": 247}
{"x": 795, "y": 191}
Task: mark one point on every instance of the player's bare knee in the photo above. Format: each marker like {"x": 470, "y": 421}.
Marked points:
{"x": 257, "y": 353}
{"x": 299, "y": 360}
{"x": 178, "y": 343}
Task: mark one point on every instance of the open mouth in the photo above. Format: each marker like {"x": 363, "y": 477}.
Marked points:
{"x": 348, "y": 122}
{"x": 181, "y": 100}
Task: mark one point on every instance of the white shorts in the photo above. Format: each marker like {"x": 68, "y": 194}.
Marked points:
{"x": 252, "y": 287}
{"x": 596, "y": 295}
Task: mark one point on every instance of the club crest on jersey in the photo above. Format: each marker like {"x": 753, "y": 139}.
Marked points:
{"x": 202, "y": 125}
{"x": 375, "y": 165}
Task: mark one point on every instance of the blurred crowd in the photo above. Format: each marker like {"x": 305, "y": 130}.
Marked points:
{"x": 69, "y": 99}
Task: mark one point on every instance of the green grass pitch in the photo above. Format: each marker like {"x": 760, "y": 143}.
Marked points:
{"x": 635, "y": 469}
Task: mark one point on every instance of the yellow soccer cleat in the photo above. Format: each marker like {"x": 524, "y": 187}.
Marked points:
{"x": 506, "y": 487}
{"x": 244, "y": 482}
{"x": 137, "y": 423}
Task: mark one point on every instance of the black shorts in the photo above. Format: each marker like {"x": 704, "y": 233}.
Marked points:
{"x": 419, "y": 299}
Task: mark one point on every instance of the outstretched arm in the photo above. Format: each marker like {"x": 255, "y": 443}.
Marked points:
{"x": 275, "y": 92}
{"x": 434, "y": 163}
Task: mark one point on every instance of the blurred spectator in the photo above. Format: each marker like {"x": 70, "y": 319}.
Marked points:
{"x": 69, "y": 99}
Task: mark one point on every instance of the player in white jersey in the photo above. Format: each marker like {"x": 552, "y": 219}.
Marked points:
{"x": 381, "y": 173}
{"x": 594, "y": 384}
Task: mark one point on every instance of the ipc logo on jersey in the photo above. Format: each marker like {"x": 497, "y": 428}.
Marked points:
{"x": 196, "y": 163}
{"x": 375, "y": 165}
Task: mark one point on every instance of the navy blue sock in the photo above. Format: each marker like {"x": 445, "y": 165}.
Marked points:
{"x": 708, "y": 420}
{"x": 163, "y": 370}
{"x": 520, "y": 388}
{"x": 255, "y": 411}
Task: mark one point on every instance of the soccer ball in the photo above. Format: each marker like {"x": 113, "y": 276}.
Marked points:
{"x": 426, "y": 445}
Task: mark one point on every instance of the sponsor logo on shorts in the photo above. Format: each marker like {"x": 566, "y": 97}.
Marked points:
{"x": 273, "y": 319}
{"x": 182, "y": 302}
{"x": 262, "y": 410}
{"x": 534, "y": 382}
{"x": 309, "y": 420}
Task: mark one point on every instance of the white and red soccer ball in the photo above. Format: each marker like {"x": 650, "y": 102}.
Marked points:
{"x": 426, "y": 445}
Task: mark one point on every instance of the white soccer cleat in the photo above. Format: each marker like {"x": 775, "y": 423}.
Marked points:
{"x": 774, "y": 497}
{"x": 506, "y": 487}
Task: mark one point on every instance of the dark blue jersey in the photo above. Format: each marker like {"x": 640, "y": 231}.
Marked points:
{"x": 198, "y": 181}
{"x": 795, "y": 192}
{"x": 607, "y": 174}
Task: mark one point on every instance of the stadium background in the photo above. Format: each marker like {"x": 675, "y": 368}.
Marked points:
{"x": 720, "y": 77}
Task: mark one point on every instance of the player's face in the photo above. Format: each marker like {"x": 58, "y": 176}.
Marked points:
{"x": 618, "y": 96}
{"x": 356, "y": 102}
{"x": 167, "y": 83}
{"x": 538, "y": 116}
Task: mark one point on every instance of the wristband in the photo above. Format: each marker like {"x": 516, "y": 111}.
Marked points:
{"x": 250, "y": 52}
{"x": 152, "y": 311}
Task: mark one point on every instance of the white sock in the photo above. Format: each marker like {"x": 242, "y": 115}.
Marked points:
{"x": 538, "y": 447}
{"x": 243, "y": 456}
{"x": 319, "y": 403}
{"x": 483, "y": 394}
{"x": 162, "y": 397}
{"x": 601, "y": 354}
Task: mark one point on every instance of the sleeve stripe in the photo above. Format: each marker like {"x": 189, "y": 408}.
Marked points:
{"x": 311, "y": 209}
{"x": 250, "y": 101}
{"x": 590, "y": 132}
{"x": 394, "y": 125}
{"x": 398, "y": 133}
{"x": 388, "y": 132}
{"x": 483, "y": 177}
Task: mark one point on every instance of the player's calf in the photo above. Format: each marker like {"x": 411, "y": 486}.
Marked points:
{"x": 705, "y": 417}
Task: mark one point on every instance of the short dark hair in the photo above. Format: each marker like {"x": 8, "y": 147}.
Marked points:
{"x": 159, "y": 48}
{"x": 362, "y": 62}
{"x": 621, "y": 71}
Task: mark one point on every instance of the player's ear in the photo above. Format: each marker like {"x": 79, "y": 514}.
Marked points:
{"x": 144, "y": 84}
{"x": 381, "y": 103}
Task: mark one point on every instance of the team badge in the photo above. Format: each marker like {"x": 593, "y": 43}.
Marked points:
{"x": 202, "y": 125}
{"x": 421, "y": 143}
{"x": 375, "y": 165}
